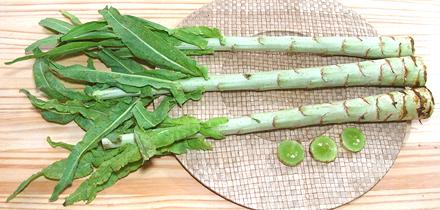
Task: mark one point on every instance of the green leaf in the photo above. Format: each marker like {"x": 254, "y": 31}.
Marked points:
{"x": 23, "y": 185}
{"x": 78, "y": 31}
{"x": 202, "y": 31}
{"x": 90, "y": 63}
{"x": 145, "y": 44}
{"x": 95, "y": 35}
{"x": 186, "y": 119}
{"x": 146, "y": 147}
{"x": 88, "y": 189}
{"x": 161, "y": 137}
{"x": 147, "y": 119}
{"x": 184, "y": 146}
{"x": 198, "y": 52}
{"x": 56, "y": 25}
{"x": 71, "y": 17}
{"x": 120, "y": 65}
{"x": 63, "y": 145}
{"x": 123, "y": 53}
{"x": 119, "y": 114}
{"x": 214, "y": 122}
{"x": 78, "y": 72}
{"x": 72, "y": 107}
{"x": 84, "y": 123}
{"x": 53, "y": 171}
{"x": 58, "y": 117}
{"x": 48, "y": 42}
{"x": 40, "y": 72}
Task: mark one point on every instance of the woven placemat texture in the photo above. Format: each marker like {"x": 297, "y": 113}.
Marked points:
{"x": 245, "y": 168}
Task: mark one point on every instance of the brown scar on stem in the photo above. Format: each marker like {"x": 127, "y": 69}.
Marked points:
{"x": 366, "y": 52}
{"x": 362, "y": 117}
{"x": 413, "y": 49}
{"x": 300, "y": 109}
{"x": 346, "y": 109}
{"x": 233, "y": 47}
{"x": 389, "y": 64}
{"x": 394, "y": 79}
{"x": 359, "y": 39}
{"x": 247, "y": 76}
{"x": 405, "y": 73}
{"x": 381, "y": 45}
{"x": 296, "y": 70}
{"x": 316, "y": 39}
{"x": 365, "y": 100}
{"x": 381, "y": 73}
{"x": 260, "y": 40}
{"x": 377, "y": 108}
{"x": 343, "y": 45}
{"x": 399, "y": 52}
{"x": 274, "y": 122}
{"x": 323, "y": 74}
{"x": 404, "y": 110}
{"x": 279, "y": 80}
{"x": 292, "y": 46}
{"x": 255, "y": 119}
{"x": 393, "y": 38}
{"x": 346, "y": 80}
{"x": 321, "y": 120}
{"x": 388, "y": 117}
{"x": 393, "y": 101}
{"x": 360, "y": 69}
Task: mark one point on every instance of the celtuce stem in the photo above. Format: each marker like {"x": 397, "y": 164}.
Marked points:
{"x": 399, "y": 72}
{"x": 409, "y": 104}
{"x": 366, "y": 47}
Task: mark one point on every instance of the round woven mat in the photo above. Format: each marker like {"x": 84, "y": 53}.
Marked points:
{"x": 244, "y": 168}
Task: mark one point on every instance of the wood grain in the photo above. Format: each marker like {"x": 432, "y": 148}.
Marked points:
{"x": 412, "y": 183}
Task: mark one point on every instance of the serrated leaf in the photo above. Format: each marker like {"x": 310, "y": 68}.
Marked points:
{"x": 119, "y": 114}
{"x": 78, "y": 72}
{"x": 146, "y": 119}
{"x": 88, "y": 189}
{"x": 75, "y": 20}
{"x": 186, "y": 145}
{"x": 63, "y": 145}
{"x": 145, "y": 44}
{"x": 72, "y": 107}
{"x": 120, "y": 65}
{"x": 84, "y": 123}
{"x": 57, "y": 117}
{"x": 56, "y": 25}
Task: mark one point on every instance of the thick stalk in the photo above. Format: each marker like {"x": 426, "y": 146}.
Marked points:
{"x": 402, "y": 105}
{"x": 366, "y": 47}
{"x": 404, "y": 71}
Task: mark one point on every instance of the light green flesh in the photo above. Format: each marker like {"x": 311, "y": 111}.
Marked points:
{"x": 290, "y": 153}
{"x": 353, "y": 139}
{"x": 323, "y": 149}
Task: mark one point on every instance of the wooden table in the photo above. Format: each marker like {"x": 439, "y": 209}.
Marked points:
{"x": 412, "y": 183}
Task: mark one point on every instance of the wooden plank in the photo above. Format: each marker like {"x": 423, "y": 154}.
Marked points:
{"x": 412, "y": 183}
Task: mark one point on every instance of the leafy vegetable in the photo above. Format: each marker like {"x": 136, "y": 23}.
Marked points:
{"x": 119, "y": 114}
{"x": 146, "y": 45}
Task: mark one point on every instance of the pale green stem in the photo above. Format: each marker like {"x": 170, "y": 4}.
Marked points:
{"x": 366, "y": 47}
{"x": 409, "y": 104}
{"x": 399, "y": 72}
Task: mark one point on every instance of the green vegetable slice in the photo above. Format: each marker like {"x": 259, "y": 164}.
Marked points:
{"x": 323, "y": 149}
{"x": 290, "y": 153}
{"x": 353, "y": 139}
